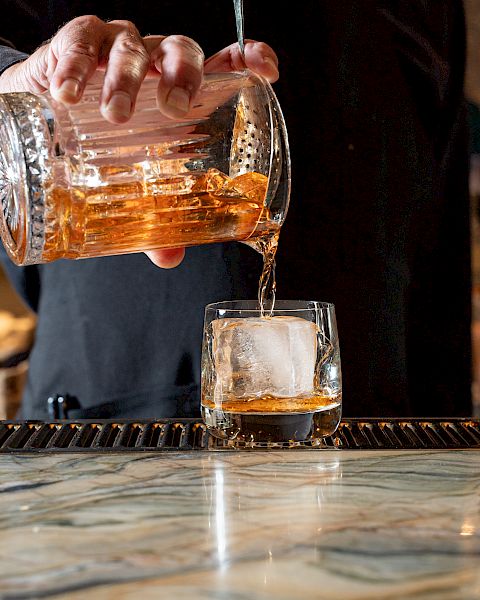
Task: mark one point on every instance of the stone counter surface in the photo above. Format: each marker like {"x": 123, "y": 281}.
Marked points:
{"x": 345, "y": 525}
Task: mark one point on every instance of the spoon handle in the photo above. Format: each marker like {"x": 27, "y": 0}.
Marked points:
{"x": 238, "y": 4}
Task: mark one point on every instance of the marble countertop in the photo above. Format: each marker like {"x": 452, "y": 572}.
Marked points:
{"x": 348, "y": 525}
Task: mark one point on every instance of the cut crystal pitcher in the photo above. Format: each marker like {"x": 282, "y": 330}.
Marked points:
{"x": 73, "y": 185}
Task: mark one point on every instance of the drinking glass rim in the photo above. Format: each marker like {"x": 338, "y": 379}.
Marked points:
{"x": 252, "y": 306}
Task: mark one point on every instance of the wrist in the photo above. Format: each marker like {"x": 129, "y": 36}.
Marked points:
{"x": 9, "y": 79}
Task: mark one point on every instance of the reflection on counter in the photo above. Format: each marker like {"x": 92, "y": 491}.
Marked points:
{"x": 241, "y": 525}
{"x": 284, "y": 515}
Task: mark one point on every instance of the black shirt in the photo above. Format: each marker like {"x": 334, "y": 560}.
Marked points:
{"x": 378, "y": 224}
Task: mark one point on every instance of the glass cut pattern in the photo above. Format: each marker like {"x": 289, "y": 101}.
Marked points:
{"x": 7, "y": 197}
{"x": 24, "y": 167}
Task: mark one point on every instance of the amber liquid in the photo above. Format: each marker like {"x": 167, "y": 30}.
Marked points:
{"x": 274, "y": 420}
{"x": 159, "y": 212}
{"x": 272, "y": 404}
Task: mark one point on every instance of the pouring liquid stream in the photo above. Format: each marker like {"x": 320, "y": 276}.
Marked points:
{"x": 267, "y": 246}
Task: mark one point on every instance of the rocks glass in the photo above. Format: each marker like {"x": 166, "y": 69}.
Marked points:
{"x": 271, "y": 379}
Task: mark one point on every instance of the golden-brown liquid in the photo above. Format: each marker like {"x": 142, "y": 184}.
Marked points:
{"x": 274, "y": 426}
{"x": 267, "y": 245}
{"x": 272, "y": 404}
{"x": 159, "y": 212}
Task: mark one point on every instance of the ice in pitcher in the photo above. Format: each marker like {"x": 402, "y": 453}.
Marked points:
{"x": 257, "y": 357}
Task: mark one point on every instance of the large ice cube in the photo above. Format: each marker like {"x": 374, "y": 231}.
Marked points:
{"x": 271, "y": 356}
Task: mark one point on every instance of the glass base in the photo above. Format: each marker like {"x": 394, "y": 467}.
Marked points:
{"x": 285, "y": 429}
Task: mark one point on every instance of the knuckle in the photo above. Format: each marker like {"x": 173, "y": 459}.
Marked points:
{"x": 130, "y": 45}
{"x": 86, "y": 22}
{"x": 187, "y": 43}
{"x": 125, "y": 24}
{"x": 81, "y": 48}
{"x": 261, "y": 47}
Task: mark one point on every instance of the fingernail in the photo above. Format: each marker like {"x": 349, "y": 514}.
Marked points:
{"x": 120, "y": 105}
{"x": 69, "y": 89}
{"x": 271, "y": 63}
{"x": 179, "y": 99}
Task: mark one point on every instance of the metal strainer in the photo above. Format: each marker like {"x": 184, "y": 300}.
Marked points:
{"x": 260, "y": 144}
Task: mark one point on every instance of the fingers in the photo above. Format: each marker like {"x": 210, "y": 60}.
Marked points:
{"x": 75, "y": 53}
{"x": 166, "y": 259}
{"x": 128, "y": 63}
{"x": 259, "y": 57}
{"x": 179, "y": 60}
{"x": 86, "y": 43}
{"x": 66, "y": 64}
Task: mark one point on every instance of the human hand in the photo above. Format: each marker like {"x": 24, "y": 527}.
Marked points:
{"x": 86, "y": 44}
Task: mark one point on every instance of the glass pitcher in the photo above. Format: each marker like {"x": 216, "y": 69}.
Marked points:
{"x": 73, "y": 185}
